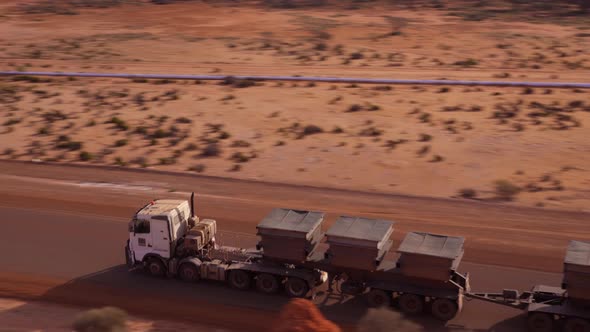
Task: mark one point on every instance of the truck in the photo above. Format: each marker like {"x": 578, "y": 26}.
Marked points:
{"x": 296, "y": 257}
{"x": 548, "y": 308}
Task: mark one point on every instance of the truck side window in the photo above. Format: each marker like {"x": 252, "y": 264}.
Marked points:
{"x": 142, "y": 226}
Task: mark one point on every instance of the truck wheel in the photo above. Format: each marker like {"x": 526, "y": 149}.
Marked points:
{"x": 267, "y": 283}
{"x": 377, "y": 298}
{"x": 540, "y": 322}
{"x": 576, "y": 325}
{"x": 239, "y": 279}
{"x": 411, "y": 304}
{"x": 296, "y": 287}
{"x": 188, "y": 272}
{"x": 156, "y": 267}
{"x": 444, "y": 309}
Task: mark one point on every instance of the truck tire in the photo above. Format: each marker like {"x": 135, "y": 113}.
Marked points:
{"x": 296, "y": 287}
{"x": 411, "y": 304}
{"x": 240, "y": 279}
{"x": 377, "y": 298}
{"x": 267, "y": 283}
{"x": 188, "y": 272}
{"x": 444, "y": 309}
{"x": 156, "y": 268}
{"x": 576, "y": 325}
{"x": 539, "y": 322}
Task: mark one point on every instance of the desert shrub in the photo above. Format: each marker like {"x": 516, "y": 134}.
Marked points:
{"x": 141, "y": 130}
{"x": 119, "y": 124}
{"x": 183, "y": 120}
{"x": 211, "y": 150}
{"x": 337, "y": 130}
{"x": 86, "y": 156}
{"x": 312, "y": 129}
{"x": 65, "y": 143}
{"x": 121, "y": 142}
{"x": 467, "y": 63}
{"x": 372, "y": 107}
{"x": 423, "y": 150}
{"x": 425, "y": 138}
{"x": 199, "y": 168}
{"x": 167, "y": 161}
{"x": 506, "y": 190}
{"x": 371, "y": 132}
{"x": 424, "y": 117}
{"x": 191, "y": 147}
{"x": 237, "y": 83}
{"x": 224, "y": 135}
{"x": 120, "y": 162}
{"x": 467, "y": 193}
{"x": 161, "y": 133}
{"x": 354, "y": 108}
{"x": 240, "y": 157}
{"x": 356, "y": 56}
{"x": 44, "y": 130}
{"x": 54, "y": 116}
{"x": 240, "y": 144}
{"x": 107, "y": 319}
{"x": 11, "y": 122}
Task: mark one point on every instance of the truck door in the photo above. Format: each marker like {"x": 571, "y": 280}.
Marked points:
{"x": 161, "y": 237}
{"x": 141, "y": 239}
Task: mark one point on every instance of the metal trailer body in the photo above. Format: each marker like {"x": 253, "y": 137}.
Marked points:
{"x": 567, "y": 307}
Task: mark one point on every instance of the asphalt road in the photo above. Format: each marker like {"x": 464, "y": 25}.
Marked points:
{"x": 87, "y": 250}
{"x": 60, "y": 229}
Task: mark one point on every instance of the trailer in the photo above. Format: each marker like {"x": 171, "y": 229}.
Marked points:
{"x": 547, "y": 307}
{"x": 166, "y": 238}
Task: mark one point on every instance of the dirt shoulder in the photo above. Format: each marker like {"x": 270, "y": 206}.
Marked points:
{"x": 18, "y": 315}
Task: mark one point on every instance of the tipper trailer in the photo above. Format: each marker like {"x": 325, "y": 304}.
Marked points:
{"x": 167, "y": 239}
{"x": 566, "y": 307}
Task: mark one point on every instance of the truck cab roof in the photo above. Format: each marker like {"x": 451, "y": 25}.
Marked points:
{"x": 163, "y": 207}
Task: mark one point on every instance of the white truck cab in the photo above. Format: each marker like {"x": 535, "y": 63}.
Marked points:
{"x": 156, "y": 228}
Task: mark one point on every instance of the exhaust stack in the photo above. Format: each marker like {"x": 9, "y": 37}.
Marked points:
{"x": 193, "y": 204}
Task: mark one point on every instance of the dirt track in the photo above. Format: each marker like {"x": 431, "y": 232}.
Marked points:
{"x": 80, "y": 228}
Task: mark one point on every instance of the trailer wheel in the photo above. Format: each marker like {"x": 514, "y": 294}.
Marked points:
{"x": 576, "y": 325}
{"x": 296, "y": 287}
{"x": 411, "y": 304}
{"x": 444, "y": 309}
{"x": 540, "y": 322}
{"x": 156, "y": 268}
{"x": 240, "y": 279}
{"x": 267, "y": 283}
{"x": 188, "y": 272}
{"x": 377, "y": 298}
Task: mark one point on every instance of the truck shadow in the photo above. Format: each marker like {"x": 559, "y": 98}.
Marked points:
{"x": 211, "y": 303}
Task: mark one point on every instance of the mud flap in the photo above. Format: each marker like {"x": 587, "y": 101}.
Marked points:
{"x": 129, "y": 259}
